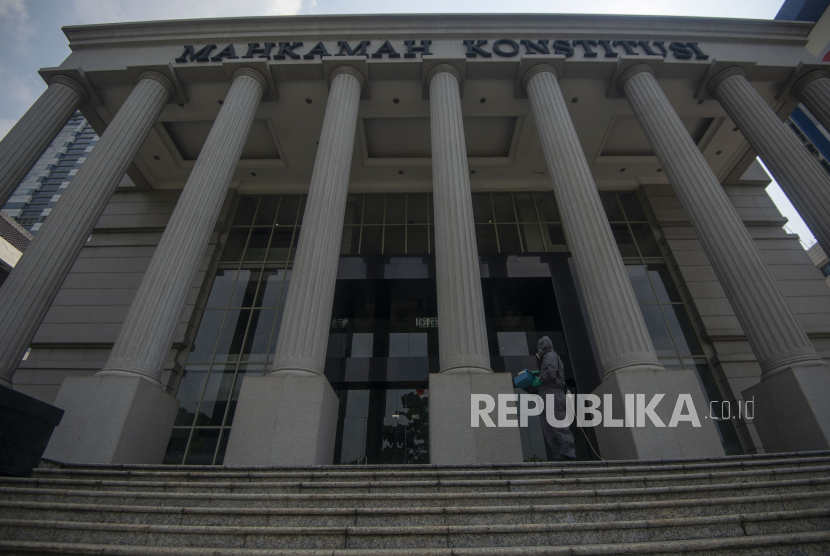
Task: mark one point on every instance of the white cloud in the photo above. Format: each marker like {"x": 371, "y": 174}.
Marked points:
{"x": 5, "y": 126}
{"x": 110, "y": 11}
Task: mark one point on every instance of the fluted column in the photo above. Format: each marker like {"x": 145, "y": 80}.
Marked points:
{"x": 462, "y": 333}
{"x": 30, "y": 289}
{"x": 301, "y": 347}
{"x": 619, "y": 330}
{"x": 773, "y": 332}
{"x": 814, "y": 91}
{"x": 144, "y": 340}
{"x": 23, "y": 145}
{"x": 800, "y": 175}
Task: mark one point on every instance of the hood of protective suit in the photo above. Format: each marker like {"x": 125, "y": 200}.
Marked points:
{"x": 544, "y": 345}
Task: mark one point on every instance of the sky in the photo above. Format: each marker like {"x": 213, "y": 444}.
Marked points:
{"x": 31, "y": 37}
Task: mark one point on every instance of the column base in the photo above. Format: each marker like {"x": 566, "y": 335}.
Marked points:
{"x": 650, "y": 442}
{"x": 284, "y": 420}
{"x": 792, "y": 413}
{"x": 451, "y": 438}
{"x": 112, "y": 419}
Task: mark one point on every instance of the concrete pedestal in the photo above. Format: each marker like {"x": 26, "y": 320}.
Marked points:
{"x": 451, "y": 438}
{"x": 650, "y": 442}
{"x": 112, "y": 419}
{"x": 792, "y": 412}
{"x": 284, "y": 419}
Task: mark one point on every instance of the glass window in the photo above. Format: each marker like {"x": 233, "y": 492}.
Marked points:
{"x": 646, "y": 240}
{"x": 509, "y": 238}
{"x": 373, "y": 209}
{"x": 416, "y": 240}
{"x": 546, "y": 206}
{"x": 625, "y": 242}
{"x": 288, "y": 211}
{"x": 190, "y": 392}
{"x": 486, "y": 238}
{"x": 531, "y": 236}
{"x": 394, "y": 241}
{"x": 350, "y": 241}
{"x": 232, "y": 335}
{"x": 395, "y": 209}
{"x": 525, "y": 207}
{"x": 205, "y": 341}
{"x": 259, "y": 335}
{"x": 245, "y": 211}
{"x": 354, "y": 209}
{"x": 663, "y": 283}
{"x": 202, "y": 447}
{"x": 280, "y": 247}
{"x": 631, "y": 206}
{"x": 640, "y": 283}
{"x": 268, "y": 206}
{"x": 503, "y": 207}
{"x": 659, "y": 332}
{"x": 371, "y": 242}
{"x": 235, "y": 244}
{"x": 416, "y": 208}
{"x": 482, "y": 208}
{"x": 613, "y": 211}
{"x": 257, "y": 244}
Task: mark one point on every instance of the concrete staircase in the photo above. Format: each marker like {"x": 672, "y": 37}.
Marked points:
{"x": 773, "y": 504}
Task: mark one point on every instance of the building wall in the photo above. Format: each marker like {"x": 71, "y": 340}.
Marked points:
{"x": 802, "y": 284}
{"x": 80, "y": 328}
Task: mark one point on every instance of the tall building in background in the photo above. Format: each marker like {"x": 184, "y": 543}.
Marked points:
{"x": 36, "y": 197}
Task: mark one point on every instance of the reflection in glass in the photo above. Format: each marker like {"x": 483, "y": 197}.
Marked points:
{"x": 625, "y": 242}
{"x": 663, "y": 283}
{"x": 202, "y": 447}
{"x": 509, "y": 238}
{"x": 176, "y": 446}
{"x": 640, "y": 283}
{"x": 681, "y": 328}
{"x": 259, "y": 335}
{"x": 646, "y": 240}
{"x": 657, "y": 329}
{"x": 632, "y": 207}
{"x": 486, "y": 238}
{"x": 245, "y": 211}
{"x": 205, "y": 341}
{"x": 221, "y": 290}
{"x": 189, "y": 393}
{"x": 268, "y": 205}
{"x": 258, "y": 244}
{"x": 613, "y": 211}
{"x": 371, "y": 243}
{"x": 394, "y": 241}
{"x": 416, "y": 240}
{"x": 235, "y": 244}
{"x": 503, "y": 207}
{"x": 395, "y": 209}
{"x": 233, "y": 333}
{"x": 416, "y": 208}
{"x": 215, "y": 397}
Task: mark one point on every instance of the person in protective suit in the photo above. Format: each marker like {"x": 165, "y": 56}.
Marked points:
{"x": 552, "y": 378}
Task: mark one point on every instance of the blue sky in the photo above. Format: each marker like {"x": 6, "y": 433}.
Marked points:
{"x": 30, "y": 35}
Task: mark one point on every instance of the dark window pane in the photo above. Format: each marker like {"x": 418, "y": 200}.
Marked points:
{"x": 373, "y": 209}
{"x": 235, "y": 244}
{"x": 431, "y": 208}
{"x": 223, "y": 446}
{"x": 525, "y": 207}
{"x": 624, "y": 240}
{"x": 394, "y": 240}
{"x": 432, "y": 239}
{"x": 176, "y": 446}
{"x": 285, "y": 287}
{"x": 663, "y": 283}
{"x": 416, "y": 209}
{"x": 370, "y": 243}
{"x": 202, "y": 447}
{"x": 486, "y": 238}
{"x": 646, "y": 240}
{"x": 233, "y": 332}
{"x": 220, "y": 292}
{"x": 554, "y": 237}
{"x": 189, "y": 393}
{"x": 659, "y": 332}
{"x": 613, "y": 211}
{"x": 245, "y": 211}
{"x": 267, "y": 212}
{"x": 532, "y": 238}
{"x": 275, "y": 335}
{"x": 416, "y": 240}
{"x": 509, "y": 238}
{"x": 205, "y": 341}
{"x": 257, "y": 244}
{"x": 503, "y": 206}
{"x": 269, "y": 288}
{"x": 245, "y": 291}
{"x": 350, "y": 242}
{"x": 294, "y": 242}
{"x": 546, "y": 204}
{"x": 259, "y": 335}
{"x": 482, "y": 208}
{"x": 354, "y": 209}
{"x": 280, "y": 243}
{"x": 632, "y": 207}
{"x": 287, "y": 215}
{"x": 396, "y": 208}
{"x": 254, "y": 369}
{"x": 303, "y": 203}
{"x": 216, "y": 396}
{"x": 681, "y": 328}
{"x": 640, "y": 283}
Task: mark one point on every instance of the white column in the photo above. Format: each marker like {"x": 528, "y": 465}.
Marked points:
{"x": 462, "y": 334}
{"x": 775, "y": 335}
{"x": 619, "y": 330}
{"x": 625, "y": 349}
{"x": 144, "y": 340}
{"x": 800, "y": 175}
{"x": 30, "y": 289}
{"x": 23, "y": 145}
{"x": 289, "y": 416}
{"x": 814, "y": 91}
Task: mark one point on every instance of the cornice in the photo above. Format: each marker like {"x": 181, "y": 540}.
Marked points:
{"x": 437, "y": 26}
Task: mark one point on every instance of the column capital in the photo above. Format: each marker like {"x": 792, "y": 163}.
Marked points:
{"x": 347, "y": 70}
{"x": 716, "y": 81}
{"x": 631, "y": 72}
{"x": 536, "y": 70}
{"x": 161, "y": 80}
{"x": 73, "y": 85}
{"x": 253, "y": 74}
{"x": 444, "y": 68}
{"x": 799, "y": 86}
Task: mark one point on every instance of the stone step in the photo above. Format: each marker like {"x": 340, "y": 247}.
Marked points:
{"x": 801, "y": 544}
{"x": 409, "y": 472}
{"x": 410, "y": 516}
{"x": 465, "y": 536}
{"x": 435, "y": 485}
{"x": 252, "y": 498}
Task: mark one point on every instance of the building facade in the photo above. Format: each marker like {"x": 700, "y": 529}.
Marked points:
{"x": 338, "y": 229}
